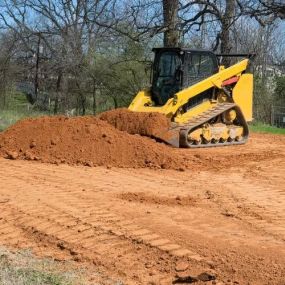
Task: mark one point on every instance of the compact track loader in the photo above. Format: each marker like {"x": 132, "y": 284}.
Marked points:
{"x": 208, "y": 104}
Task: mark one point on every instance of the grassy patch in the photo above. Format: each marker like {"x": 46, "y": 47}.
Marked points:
{"x": 34, "y": 277}
{"x": 264, "y": 128}
{"x": 16, "y": 108}
{"x": 22, "y": 268}
{"x": 9, "y": 117}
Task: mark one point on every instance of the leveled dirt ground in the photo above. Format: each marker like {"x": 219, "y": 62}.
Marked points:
{"x": 224, "y": 217}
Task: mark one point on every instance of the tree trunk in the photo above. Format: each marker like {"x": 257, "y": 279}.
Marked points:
{"x": 94, "y": 105}
{"x": 56, "y": 101}
{"x": 36, "y": 82}
{"x": 116, "y": 105}
{"x": 3, "y": 91}
{"x": 83, "y": 102}
{"x": 227, "y": 20}
{"x": 82, "y": 99}
{"x": 170, "y": 15}
{"x": 55, "y": 109}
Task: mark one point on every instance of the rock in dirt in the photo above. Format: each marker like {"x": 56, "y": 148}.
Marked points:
{"x": 87, "y": 141}
{"x": 33, "y": 144}
{"x": 185, "y": 276}
{"x": 207, "y": 276}
{"x": 11, "y": 154}
{"x": 181, "y": 266}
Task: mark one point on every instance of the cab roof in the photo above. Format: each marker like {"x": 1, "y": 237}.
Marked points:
{"x": 178, "y": 49}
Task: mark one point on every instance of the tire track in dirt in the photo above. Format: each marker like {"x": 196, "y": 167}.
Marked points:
{"x": 79, "y": 228}
{"x": 131, "y": 230}
{"x": 259, "y": 183}
{"x": 263, "y": 204}
{"x": 214, "y": 231}
{"x": 77, "y": 213}
{"x": 86, "y": 241}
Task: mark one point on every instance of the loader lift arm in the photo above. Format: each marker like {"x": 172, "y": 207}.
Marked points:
{"x": 182, "y": 97}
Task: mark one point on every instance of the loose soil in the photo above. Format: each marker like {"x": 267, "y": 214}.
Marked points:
{"x": 145, "y": 124}
{"x": 220, "y": 221}
{"x": 88, "y": 141}
{"x": 143, "y": 198}
{"x": 149, "y": 226}
{"x": 105, "y": 141}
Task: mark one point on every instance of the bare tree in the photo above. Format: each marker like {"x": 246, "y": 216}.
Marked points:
{"x": 261, "y": 10}
{"x": 84, "y": 53}
{"x": 68, "y": 31}
{"x": 206, "y": 12}
{"x": 8, "y": 69}
{"x": 226, "y": 21}
{"x": 170, "y": 15}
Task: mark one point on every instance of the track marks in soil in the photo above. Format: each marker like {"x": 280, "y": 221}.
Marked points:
{"x": 78, "y": 213}
{"x": 141, "y": 197}
{"x": 258, "y": 200}
{"x": 68, "y": 223}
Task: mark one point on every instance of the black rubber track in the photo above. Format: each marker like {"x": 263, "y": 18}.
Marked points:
{"x": 206, "y": 117}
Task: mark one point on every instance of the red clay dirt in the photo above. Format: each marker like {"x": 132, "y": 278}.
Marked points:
{"x": 222, "y": 218}
{"x": 145, "y": 124}
{"x": 147, "y": 226}
{"x": 88, "y": 141}
{"x": 107, "y": 140}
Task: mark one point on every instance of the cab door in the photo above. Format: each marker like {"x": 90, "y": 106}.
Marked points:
{"x": 166, "y": 77}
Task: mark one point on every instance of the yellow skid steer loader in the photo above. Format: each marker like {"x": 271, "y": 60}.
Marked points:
{"x": 208, "y": 104}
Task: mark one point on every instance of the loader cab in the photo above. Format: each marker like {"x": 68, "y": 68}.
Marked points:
{"x": 175, "y": 69}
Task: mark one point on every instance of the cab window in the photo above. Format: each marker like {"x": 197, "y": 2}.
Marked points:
{"x": 200, "y": 66}
{"x": 168, "y": 64}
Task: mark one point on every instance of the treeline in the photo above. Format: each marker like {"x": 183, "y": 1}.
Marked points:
{"x": 84, "y": 56}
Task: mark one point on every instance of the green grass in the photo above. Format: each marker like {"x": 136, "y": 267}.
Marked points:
{"x": 264, "y": 128}
{"x": 22, "y": 268}
{"x": 35, "y": 277}
{"x": 9, "y": 117}
{"x": 16, "y": 108}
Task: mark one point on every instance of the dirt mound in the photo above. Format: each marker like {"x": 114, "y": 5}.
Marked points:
{"x": 84, "y": 140}
{"x": 145, "y": 124}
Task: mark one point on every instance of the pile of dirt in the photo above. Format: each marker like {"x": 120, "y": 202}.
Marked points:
{"x": 85, "y": 140}
{"x": 145, "y": 124}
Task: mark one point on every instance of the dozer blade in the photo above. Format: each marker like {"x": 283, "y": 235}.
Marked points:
{"x": 171, "y": 136}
